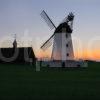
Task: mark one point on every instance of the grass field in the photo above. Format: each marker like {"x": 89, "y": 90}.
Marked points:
{"x": 18, "y": 82}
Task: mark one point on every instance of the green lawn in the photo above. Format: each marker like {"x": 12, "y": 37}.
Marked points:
{"x": 22, "y": 82}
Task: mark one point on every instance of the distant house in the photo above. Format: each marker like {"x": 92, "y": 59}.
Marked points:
{"x": 20, "y": 55}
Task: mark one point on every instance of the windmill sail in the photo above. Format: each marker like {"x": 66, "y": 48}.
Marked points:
{"x": 47, "y": 20}
{"x": 48, "y": 43}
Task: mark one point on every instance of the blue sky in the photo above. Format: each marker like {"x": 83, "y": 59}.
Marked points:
{"x": 20, "y": 16}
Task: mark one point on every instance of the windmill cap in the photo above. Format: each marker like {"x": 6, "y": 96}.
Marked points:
{"x": 71, "y": 16}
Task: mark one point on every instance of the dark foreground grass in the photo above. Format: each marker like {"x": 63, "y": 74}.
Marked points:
{"x": 22, "y": 82}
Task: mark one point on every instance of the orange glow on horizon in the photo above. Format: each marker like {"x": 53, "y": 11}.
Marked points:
{"x": 86, "y": 54}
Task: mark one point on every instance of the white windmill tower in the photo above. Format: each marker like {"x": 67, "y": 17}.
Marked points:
{"x": 62, "y": 41}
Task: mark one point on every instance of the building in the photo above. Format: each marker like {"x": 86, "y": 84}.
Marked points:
{"x": 17, "y": 55}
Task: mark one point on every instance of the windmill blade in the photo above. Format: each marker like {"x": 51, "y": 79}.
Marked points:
{"x": 48, "y": 43}
{"x": 47, "y": 20}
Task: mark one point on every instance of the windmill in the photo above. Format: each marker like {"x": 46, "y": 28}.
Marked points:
{"x": 62, "y": 41}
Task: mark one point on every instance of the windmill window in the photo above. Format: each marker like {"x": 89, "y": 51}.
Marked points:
{"x": 67, "y": 45}
{"x": 67, "y": 54}
{"x": 66, "y": 36}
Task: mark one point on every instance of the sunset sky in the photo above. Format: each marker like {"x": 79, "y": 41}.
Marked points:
{"x": 22, "y": 17}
